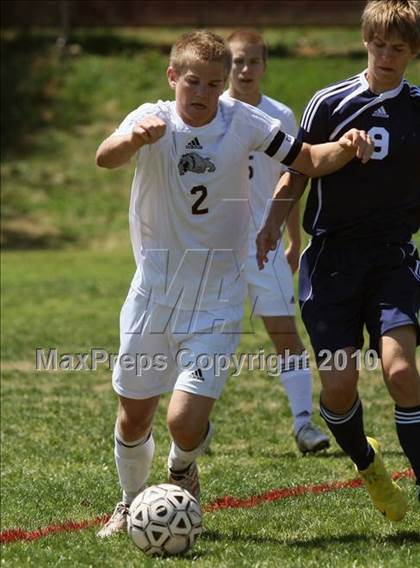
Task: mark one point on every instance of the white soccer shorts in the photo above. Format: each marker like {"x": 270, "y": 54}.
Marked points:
{"x": 164, "y": 349}
{"x": 270, "y": 290}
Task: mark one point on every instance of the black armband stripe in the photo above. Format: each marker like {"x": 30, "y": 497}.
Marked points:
{"x": 275, "y": 144}
{"x": 293, "y": 153}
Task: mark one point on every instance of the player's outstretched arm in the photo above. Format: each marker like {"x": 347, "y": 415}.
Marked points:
{"x": 115, "y": 151}
{"x": 323, "y": 159}
{"x": 288, "y": 191}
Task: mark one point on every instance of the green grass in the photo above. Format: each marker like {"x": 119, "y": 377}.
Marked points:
{"x": 56, "y": 111}
{"x": 57, "y": 441}
{"x": 57, "y": 427}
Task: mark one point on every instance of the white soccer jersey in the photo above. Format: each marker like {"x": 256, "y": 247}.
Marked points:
{"x": 264, "y": 173}
{"x": 189, "y": 212}
{"x": 270, "y": 290}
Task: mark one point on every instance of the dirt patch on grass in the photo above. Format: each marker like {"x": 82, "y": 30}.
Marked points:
{"x": 21, "y": 366}
{"x": 28, "y": 232}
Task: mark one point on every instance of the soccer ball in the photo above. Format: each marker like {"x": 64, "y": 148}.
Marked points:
{"x": 164, "y": 519}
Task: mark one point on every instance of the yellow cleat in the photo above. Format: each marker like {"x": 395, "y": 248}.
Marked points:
{"x": 386, "y": 495}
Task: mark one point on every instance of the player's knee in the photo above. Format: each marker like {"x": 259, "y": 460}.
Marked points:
{"x": 402, "y": 378}
{"x": 178, "y": 424}
{"x": 132, "y": 426}
{"x": 338, "y": 397}
{"x": 287, "y": 344}
{"x": 184, "y": 430}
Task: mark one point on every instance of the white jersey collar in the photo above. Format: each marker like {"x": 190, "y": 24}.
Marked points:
{"x": 385, "y": 94}
{"x": 213, "y": 127}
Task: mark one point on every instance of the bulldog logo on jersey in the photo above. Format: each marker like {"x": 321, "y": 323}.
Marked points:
{"x": 193, "y": 162}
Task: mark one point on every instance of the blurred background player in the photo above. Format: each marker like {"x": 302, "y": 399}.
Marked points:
{"x": 271, "y": 291}
{"x": 361, "y": 268}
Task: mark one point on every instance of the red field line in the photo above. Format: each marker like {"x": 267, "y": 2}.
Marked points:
{"x": 226, "y": 502}
{"x": 12, "y": 535}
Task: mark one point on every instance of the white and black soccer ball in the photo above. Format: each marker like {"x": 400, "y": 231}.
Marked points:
{"x": 164, "y": 519}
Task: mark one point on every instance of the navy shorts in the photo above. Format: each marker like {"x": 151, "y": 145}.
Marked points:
{"x": 345, "y": 287}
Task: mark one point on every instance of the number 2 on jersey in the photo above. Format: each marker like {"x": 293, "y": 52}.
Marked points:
{"x": 380, "y": 137}
{"x": 202, "y": 190}
{"x": 251, "y": 169}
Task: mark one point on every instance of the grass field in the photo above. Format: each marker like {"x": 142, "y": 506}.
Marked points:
{"x": 56, "y": 111}
{"x": 57, "y": 427}
{"x": 57, "y": 442}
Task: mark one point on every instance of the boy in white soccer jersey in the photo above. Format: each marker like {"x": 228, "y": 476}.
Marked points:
{"x": 189, "y": 225}
{"x": 271, "y": 291}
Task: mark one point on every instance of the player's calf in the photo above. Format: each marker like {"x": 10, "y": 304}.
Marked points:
{"x": 182, "y": 467}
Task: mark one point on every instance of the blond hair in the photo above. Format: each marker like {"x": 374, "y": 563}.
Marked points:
{"x": 249, "y": 36}
{"x": 393, "y": 17}
{"x": 200, "y": 45}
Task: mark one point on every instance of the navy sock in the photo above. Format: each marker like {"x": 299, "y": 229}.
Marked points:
{"x": 407, "y": 421}
{"x": 348, "y": 430}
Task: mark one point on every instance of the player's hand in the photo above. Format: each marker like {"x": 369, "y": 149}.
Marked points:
{"x": 267, "y": 240}
{"x": 148, "y": 131}
{"x": 292, "y": 256}
{"x": 360, "y": 142}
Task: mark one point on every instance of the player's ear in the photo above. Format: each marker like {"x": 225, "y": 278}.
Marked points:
{"x": 172, "y": 77}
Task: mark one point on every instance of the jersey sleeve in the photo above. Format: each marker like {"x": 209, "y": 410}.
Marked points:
{"x": 289, "y": 124}
{"x": 127, "y": 125}
{"x": 415, "y": 96}
{"x": 268, "y": 136}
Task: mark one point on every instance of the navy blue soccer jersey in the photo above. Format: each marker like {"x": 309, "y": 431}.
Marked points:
{"x": 380, "y": 200}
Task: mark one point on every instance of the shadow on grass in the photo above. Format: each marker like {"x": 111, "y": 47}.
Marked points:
{"x": 340, "y": 454}
{"x": 23, "y": 238}
{"x": 325, "y": 454}
{"x": 32, "y": 72}
{"x": 106, "y": 43}
{"x": 32, "y": 77}
{"x": 320, "y": 455}
{"x": 96, "y": 42}
{"x": 23, "y": 85}
{"x": 403, "y": 537}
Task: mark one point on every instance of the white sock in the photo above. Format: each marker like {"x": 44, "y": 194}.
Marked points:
{"x": 133, "y": 461}
{"x": 180, "y": 459}
{"x": 297, "y": 381}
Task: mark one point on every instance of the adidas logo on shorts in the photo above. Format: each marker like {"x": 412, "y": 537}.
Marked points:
{"x": 380, "y": 113}
{"x": 194, "y": 145}
{"x": 197, "y": 374}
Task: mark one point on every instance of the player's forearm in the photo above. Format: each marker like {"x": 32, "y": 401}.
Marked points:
{"x": 293, "y": 224}
{"x": 322, "y": 159}
{"x": 287, "y": 193}
{"x": 115, "y": 151}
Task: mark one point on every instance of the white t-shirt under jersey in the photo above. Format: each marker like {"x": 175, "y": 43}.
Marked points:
{"x": 264, "y": 173}
{"x": 189, "y": 212}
